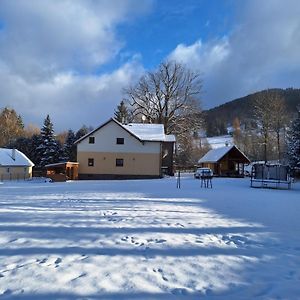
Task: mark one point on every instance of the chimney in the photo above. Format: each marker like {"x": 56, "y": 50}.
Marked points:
{"x": 13, "y": 154}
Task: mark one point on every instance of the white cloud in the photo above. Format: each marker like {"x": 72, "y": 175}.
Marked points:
{"x": 202, "y": 56}
{"x": 71, "y": 99}
{"x": 262, "y": 51}
{"x": 50, "y": 54}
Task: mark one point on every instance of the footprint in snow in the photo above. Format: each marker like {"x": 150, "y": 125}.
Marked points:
{"x": 78, "y": 277}
{"x": 179, "y": 291}
{"x": 7, "y": 292}
{"x": 160, "y": 241}
{"x": 43, "y": 261}
{"x": 160, "y": 271}
{"x": 57, "y": 262}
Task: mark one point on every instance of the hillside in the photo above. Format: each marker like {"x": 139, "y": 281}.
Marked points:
{"x": 220, "y": 117}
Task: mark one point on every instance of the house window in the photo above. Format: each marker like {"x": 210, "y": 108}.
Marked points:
{"x": 119, "y": 162}
{"x": 120, "y": 141}
{"x": 90, "y": 162}
{"x": 91, "y": 140}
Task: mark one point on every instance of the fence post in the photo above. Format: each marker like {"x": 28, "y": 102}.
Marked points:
{"x": 178, "y": 180}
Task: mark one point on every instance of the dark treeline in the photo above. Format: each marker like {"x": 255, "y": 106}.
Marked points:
{"x": 41, "y": 145}
{"x": 219, "y": 118}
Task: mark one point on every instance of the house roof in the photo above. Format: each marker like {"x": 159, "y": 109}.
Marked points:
{"x": 18, "y": 159}
{"x": 215, "y": 155}
{"x": 149, "y": 132}
{"x": 142, "y": 132}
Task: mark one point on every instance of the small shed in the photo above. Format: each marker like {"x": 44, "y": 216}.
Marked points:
{"x": 62, "y": 171}
{"x": 225, "y": 161}
{"x": 14, "y": 165}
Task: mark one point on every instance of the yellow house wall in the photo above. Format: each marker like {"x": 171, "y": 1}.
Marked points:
{"x": 15, "y": 173}
{"x": 105, "y": 163}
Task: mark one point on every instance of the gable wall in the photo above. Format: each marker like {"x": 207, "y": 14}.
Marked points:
{"x": 140, "y": 159}
{"x": 15, "y": 173}
{"x": 105, "y": 141}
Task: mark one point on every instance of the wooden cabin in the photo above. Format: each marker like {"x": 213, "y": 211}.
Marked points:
{"x": 226, "y": 161}
{"x": 62, "y": 171}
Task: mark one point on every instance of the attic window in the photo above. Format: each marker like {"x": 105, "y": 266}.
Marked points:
{"x": 120, "y": 141}
{"x": 91, "y": 140}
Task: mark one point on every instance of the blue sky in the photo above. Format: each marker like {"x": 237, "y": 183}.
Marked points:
{"x": 71, "y": 59}
{"x": 169, "y": 23}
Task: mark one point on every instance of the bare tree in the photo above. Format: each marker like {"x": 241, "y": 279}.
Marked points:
{"x": 279, "y": 120}
{"x": 169, "y": 96}
{"x": 271, "y": 117}
{"x": 263, "y": 112}
{"x": 11, "y": 126}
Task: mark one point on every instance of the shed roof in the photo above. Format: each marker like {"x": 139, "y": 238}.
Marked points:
{"x": 63, "y": 163}
{"x": 215, "y": 155}
{"x": 16, "y": 159}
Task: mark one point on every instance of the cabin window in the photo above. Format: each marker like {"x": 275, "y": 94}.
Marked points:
{"x": 7, "y": 170}
{"x": 120, "y": 141}
{"x": 119, "y": 162}
{"x": 91, "y": 140}
{"x": 90, "y": 162}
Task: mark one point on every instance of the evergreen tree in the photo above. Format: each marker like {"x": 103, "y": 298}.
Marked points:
{"x": 294, "y": 142}
{"x": 69, "y": 149}
{"x": 121, "y": 113}
{"x": 82, "y": 132}
{"x": 35, "y": 153}
{"x": 49, "y": 148}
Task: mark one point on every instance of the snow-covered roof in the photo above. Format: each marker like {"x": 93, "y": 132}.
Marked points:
{"x": 143, "y": 132}
{"x": 14, "y": 158}
{"x": 215, "y": 155}
{"x": 149, "y": 132}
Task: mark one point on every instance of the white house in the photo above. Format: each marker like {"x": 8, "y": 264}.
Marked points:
{"x": 14, "y": 165}
{"x": 114, "y": 150}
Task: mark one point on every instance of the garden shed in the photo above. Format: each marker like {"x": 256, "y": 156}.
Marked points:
{"x": 62, "y": 171}
{"x": 225, "y": 161}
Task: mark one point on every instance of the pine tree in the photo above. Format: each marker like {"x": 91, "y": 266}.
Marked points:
{"x": 293, "y": 142}
{"x": 35, "y": 153}
{"x": 49, "y": 148}
{"x": 69, "y": 149}
{"x": 121, "y": 113}
{"x": 82, "y": 132}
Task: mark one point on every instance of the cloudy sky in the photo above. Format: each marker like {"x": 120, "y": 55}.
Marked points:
{"x": 71, "y": 58}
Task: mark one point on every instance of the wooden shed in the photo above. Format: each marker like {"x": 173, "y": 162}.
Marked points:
{"x": 226, "y": 161}
{"x": 62, "y": 171}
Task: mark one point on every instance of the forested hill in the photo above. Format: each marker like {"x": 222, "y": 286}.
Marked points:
{"x": 220, "y": 117}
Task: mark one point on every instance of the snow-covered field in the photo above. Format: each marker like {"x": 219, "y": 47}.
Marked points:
{"x": 145, "y": 239}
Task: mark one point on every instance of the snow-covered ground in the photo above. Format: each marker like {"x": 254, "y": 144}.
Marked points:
{"x": 145, "y": 239}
